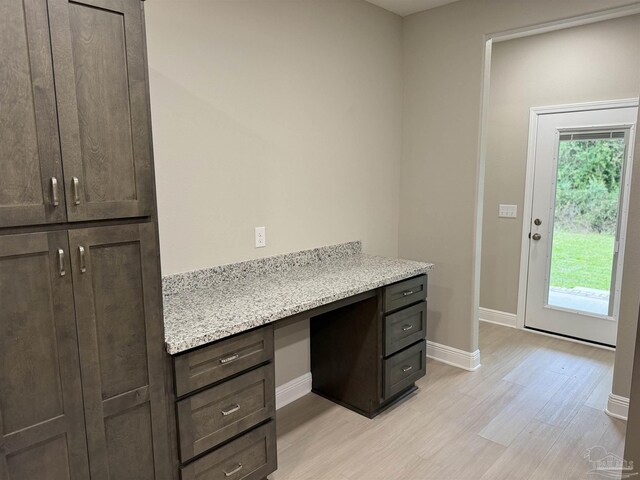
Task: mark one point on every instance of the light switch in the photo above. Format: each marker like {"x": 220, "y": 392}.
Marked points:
{"x": 507, "y": 211}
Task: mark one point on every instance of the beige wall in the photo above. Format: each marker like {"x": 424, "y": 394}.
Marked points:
{"x": 443, "y": 53}
{"x": 581, "y": 64}
{"x": 284, "y": 114}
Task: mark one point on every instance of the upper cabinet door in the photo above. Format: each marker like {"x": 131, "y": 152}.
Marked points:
{"x": 31, "y": 184}
{"x": 42, "y": 432}
{"x": 117, "y": 297}
{"x": 99, "y": 64}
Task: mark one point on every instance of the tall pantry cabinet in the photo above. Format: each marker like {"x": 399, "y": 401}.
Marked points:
{"x": 82, "y": 392}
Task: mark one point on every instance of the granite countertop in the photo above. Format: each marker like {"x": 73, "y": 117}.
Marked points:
{"x": 208, "y": 305}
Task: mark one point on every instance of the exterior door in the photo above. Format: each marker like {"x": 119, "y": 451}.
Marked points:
{"x": 117, "y": 298}
{"x": 98, "y": 55}
{"x": 580, "y": 196}
{"x": 31, "y": 190}
{"x": 42, "y": 432}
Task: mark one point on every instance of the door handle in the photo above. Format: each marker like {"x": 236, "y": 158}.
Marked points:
{"x": 55, "y": 199}
{"x": 61, "y": 269}
{"x": 83, "y": 262}
{"x": 75, "y": 186}
{"x": 536, "y": 236}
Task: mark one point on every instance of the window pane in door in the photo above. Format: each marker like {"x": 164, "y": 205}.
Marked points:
{"x": 587, "y": 199}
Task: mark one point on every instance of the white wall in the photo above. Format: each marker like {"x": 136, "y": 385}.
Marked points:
{"x": 284, "y": 114}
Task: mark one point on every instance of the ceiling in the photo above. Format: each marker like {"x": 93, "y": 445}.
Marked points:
{"x": 407, "y": 7}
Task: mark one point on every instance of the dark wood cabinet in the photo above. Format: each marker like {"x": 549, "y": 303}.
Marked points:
{"x": 226, "y": 414}
{"x": 117, "y": 300}
{"x": 42, "y": 432}
{"x": 31, "y": 183}
{"x": 83, "y": 372}
{"x": 365, "y": 358}
{"x": 99, "y": 64}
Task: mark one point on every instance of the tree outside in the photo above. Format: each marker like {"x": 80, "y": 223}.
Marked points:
{"x": 586, "y": 212}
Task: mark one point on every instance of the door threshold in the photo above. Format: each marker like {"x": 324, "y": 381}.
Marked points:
{"x": 569, "y": 338}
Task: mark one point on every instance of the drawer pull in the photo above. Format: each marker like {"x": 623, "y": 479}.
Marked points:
{"x": 233, "y": 409}
{"x": 230, "y": 359}
{"x": 406, "y": 293}
{"x": 406, "y": 368}
{"x": 234, "y": 471}
{"x": 406, "y": 328}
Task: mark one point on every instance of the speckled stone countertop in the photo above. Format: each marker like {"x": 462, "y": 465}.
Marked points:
{"x": 208, "y": 305}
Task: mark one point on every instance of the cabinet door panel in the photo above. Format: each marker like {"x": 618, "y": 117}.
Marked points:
{"x": 42, "y": 431}
{"x": 117, "y": 297}
{"x": 98, "y": 53}
{"x": 29, "y": 146}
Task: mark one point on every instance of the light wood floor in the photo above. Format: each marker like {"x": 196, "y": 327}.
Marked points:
{"x": 530, "y": 412}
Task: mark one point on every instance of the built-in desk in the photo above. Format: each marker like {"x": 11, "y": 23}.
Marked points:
{"x": 368, "y": 327}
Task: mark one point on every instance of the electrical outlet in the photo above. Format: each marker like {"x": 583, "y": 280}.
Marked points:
{"x": 507, "y": 211}
{"x": 261, "y": 237}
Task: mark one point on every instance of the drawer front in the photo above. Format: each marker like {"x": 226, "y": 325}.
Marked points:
{"x": 404, "y": 368}
{"x": 404, "y": 328}
{"x": 222, "y": 359}
{"x": 250, "y": 457}
{"x": 405, "y": 293}
{"x": 219, "y": 413}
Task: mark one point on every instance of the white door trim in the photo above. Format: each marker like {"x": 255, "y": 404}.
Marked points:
{"x": 534, "y": 117}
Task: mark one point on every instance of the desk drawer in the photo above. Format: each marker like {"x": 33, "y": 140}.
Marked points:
{"x": 250, "y": 457}
{"x": 404, "y": 368}
{"x": 404, "y": 328}
{"x": 212, "y": 416}
{"x": 405, "y": 293}
{"x": 222, "y": 359}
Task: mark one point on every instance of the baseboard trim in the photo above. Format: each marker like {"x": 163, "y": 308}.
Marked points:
{"x": 452, "y": 356}
{"x": 617, "y": 407}
{"x": 293, "y": 390}
{"x": 498, "y": 317}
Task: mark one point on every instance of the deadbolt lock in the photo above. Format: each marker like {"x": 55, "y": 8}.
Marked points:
{"x": 537, "y": 221}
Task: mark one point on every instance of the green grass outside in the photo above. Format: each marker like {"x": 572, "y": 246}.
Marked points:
{"x": 582, "y": 260}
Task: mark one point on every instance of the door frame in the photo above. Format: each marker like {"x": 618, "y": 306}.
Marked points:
{"x": 527, "y": 213}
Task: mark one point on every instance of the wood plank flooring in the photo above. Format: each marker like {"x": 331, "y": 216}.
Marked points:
{"x": 530, "y": 412}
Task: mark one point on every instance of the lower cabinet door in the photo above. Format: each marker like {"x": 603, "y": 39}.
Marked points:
{"x": 120, "y": 332}
{"x": 42, "y": 433}
{"x": 250, "y": 457}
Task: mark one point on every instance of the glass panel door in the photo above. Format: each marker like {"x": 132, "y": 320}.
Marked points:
{"x": 583, "y": 247}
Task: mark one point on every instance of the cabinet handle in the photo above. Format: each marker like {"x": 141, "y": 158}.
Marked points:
{"x": 75, "y": 185}
{"x": 235, "y": 470}
{"x": 407, "y": 293}
{"x": 61, "y": 262}
{"x": 55, "y": 199}
{"x": 406, "y": 328}
{"x": 233, "y": 357}
{"x": 406, "y": 368}
{"x": 83, "y": 263}
{"x": 233, "y": 409}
